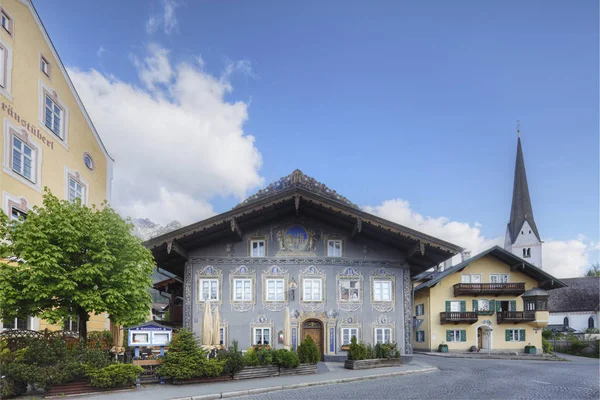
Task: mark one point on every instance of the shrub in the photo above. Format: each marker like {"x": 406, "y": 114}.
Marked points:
{"x": 547, "y": 334}
{"x": 115, "y": 375}
{"x": 212, "y": 367}
{"x": 100, "y": 339}
{"x": 386, "y": 350}
{"x": 358, "y": 351}
{"x": 234, "y": 359}
{"x": 308, "y": 352}
{"x": 251, "y": 358}
{"x": 185, "y": 358}
{"x": 547, "y": 346}
{"x": 265, "y": 356}
{"x": 286, "y": 358}
{"x": 96, "y": 358}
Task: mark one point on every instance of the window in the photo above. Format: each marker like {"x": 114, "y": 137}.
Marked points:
{"x": 6, "y": 21}
{"x": 334, "y": 248}
{"x": 3, "y": 69}
{"x": 526, "y": 253}
{"x": 382, "y": 290}
{"x": 262, "y": 336}
{"x": 349, "y": 290}
{"x": 535, "y": 304}
{"x": 222, "y": 336}
{"x": 420, "y": 310}
{"x": 17, "y": 323}
{"x": 456, "y": 335}
{"x": 88, "y": 161}
{"x": 242, "y": 290}
{"x": 45, "y": 66}
{"x": 17, "y": 215}
{"x": 455, "y": 306}
{"x": 209, "y": 289}
{"x": 499, "y": 278}
{"x": 420, "y": 336}
{"x": 257, "y": 248}
{"x": 71, "y": 324}
{"x": 591, "y": 323}
{"x": 530, "y": 305}
{"x": 312, "y": 289}
{"x": 515, "y": 335}
{"x": 23, "y": 159}
{"x": 566, "y": 322}
{"x": 53, "y": 116}
{"x": 348, "y": 334}
{"x": 275, "y": 290}
{"x": 471, "y": 278}
{"x": 383, "y": 335}
{"x": 483, "y": 305}
{"x": 75, "y": 190}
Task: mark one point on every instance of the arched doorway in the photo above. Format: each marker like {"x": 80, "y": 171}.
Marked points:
{"x": 484, "y": 337}
{"x": 314, "y": 329}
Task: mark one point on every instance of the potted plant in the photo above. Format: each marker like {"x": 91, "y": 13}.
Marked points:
{"x": 443, "y": 348}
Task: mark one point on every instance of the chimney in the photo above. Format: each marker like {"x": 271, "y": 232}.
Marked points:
{"x": 465, "y": 255}
{"x": 447, "y": 264}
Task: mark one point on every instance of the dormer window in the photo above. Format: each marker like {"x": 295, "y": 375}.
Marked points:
{"x": 257, "y": 248}
{"x": 334, "y": 248}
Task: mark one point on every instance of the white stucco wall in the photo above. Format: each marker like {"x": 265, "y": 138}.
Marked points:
{"x": 526, "y": 239}
{"x": 577, "y": 320}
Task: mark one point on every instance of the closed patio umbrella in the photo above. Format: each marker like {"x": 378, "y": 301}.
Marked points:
{"x": 216, "y": 337}
{"x": 287, "y": 336}
{"x": 117, "y": 334}
{"x": 207, "y": 325}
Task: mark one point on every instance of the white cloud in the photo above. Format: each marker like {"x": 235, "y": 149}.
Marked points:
{"x": 168, "y": 18}
{"x": 152, "y": 24}
{"x": 177, "y": 143}
{"x": 100, "y": 51}
{"x": 562, "y": 259}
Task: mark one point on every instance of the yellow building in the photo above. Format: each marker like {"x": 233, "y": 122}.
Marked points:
{"x": 494, "y": 301}
{"x": 48, "y": 137}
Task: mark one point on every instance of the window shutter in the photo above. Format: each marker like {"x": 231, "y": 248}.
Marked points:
{"x": 463, "y": 306}
{"x": 513, "y": 305}
{"x": 492, "y": 305}
{"x": 498, "y": 306}
{"x": 475, "y": 305}
{"x": 522, "y": 335}
{"x": 463, "y": 335}
{"x": 507, "y": 335}
{"x": 447, "y": 306}
{"x": 448, "y": 336}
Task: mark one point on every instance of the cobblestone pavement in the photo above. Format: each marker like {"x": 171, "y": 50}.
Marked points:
{"x": 459, "y": 378}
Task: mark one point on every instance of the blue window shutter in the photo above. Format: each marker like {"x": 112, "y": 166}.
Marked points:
{"x": 513, "y": 305}
{"x": 447, "y": 306}
{"x": 492, "y": 305}
{"x": 463, "y": 335}
{"x": 475, "y": 305}
{"x": 463, "y": 306}
{"x": 498, "y": 306}
{"x": 522, "y": 335}
{"x": 507, "y": 335}
{"x": 448, "y": 336}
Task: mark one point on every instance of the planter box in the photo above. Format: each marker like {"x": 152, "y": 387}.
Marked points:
{"x": 76, "y": 387}
{"x": 443, "y": 348}
{"x": 221, "y": 378}
{"x": 257, "y": 372}
{"x": 147, "y": 362}
{"x": 530, "y": 350}
{"x": 302, "y": 369}
{"x": 376, "y": 363}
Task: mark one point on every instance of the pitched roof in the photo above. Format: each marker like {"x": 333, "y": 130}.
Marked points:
{"x": 546, "y": 280}
{"x": 580, "y": 294}
{"x": 521, "y": 210}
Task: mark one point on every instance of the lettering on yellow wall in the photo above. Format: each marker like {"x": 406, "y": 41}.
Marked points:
{"x": 29, "y": 127}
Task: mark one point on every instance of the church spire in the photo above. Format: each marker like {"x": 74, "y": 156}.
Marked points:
{"x": 521, "y": 209}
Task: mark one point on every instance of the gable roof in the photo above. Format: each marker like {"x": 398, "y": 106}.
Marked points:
{"x": 546, "y": 280}
{"x": 580, "y": 294}
{"x": 520, "y": 210}
{"x": 298, "y": 195}
{"x": 63, "y": 70}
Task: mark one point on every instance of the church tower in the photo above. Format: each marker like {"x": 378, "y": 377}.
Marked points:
{"x": 522, "y": 236}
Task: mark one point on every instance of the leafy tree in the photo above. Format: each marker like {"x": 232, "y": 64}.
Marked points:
{"x": 67, "y": 260}
{"x": 594, "y": 270}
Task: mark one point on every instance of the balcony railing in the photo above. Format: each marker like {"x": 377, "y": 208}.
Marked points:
{"x": 507, "y": 317}
{"x": 458, "y": 317}
{"x": 475, "y": 289}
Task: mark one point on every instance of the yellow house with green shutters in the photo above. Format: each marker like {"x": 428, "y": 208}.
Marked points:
{"x": 494, "y": 301}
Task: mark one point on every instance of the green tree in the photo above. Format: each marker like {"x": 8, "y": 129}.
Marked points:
{"x": 594, "y": 270}
{"x": 67, "y": 260}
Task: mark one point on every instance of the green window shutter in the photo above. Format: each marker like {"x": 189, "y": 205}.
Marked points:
{"x": 474, "y": 305}
{"x": 463, "y": 306}
{"x": 513, "y": 305}
{"x": 448, "y": 336}
{"x": 522, "y": 335}
{"x": 463, "y": 335}
{"x": 492, "y": 305}
{"x": 498, "y": 306}
{"x": 447, "y": 306}
{"x": 507, "y": 335}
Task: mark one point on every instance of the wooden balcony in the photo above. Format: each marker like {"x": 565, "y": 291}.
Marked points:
{"x": 497, "y": 289}
{"x": 514, "y": 317}
{"x": 458, "y": 317}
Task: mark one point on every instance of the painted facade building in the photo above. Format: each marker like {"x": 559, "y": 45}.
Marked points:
{"x": 298, "y": 245}
{"x": 48, "y": 139}
{"x": 504, "y": 309}
{"x": 575, "y": 308}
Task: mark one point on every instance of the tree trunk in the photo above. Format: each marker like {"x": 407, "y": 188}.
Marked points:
{"x": 84, "y": 316}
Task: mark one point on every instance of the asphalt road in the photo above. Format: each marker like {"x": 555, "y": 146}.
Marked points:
{"x": 468, "y": 379}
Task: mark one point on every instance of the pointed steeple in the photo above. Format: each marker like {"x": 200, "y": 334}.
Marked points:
{"x": 521, "y": 209}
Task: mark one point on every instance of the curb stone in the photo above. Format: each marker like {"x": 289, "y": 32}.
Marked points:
{"x": 249, "y": 392}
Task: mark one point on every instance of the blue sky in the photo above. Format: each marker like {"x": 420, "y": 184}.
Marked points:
{"x": 380, "y": 101}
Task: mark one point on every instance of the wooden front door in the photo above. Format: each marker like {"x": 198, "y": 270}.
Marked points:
{"x": 479, "y": 338}
{"x": 314, "y": 329}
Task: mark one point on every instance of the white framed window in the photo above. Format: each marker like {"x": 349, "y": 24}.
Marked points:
{"x": 312, "y": 289}
{"x": 53, "y": 113}
{"x": 515, "y": 335}
{"x": 275, "y": 291}
{"x": 16, "y": 323}
{"x": 257, "y": 248}
{"x": 6, "y": 21}
{"x": 222, "y": 337}
{"x": 470, "y": 278}
{"x": 483, "y": 305}
{"x": 383, "y": 335}
{"x": 45, "y": 66}
{"x": 420, "y": 309}
{"x": 455, "y": 306}
{"x": 17, "y": 215}
{"x": 23, "y": 159}
{"x": 348, "y": 334}
{"x": 76, "y": 190}
{"x": 261, "y": 336}
{"x": 53, "y": 116}
{"x": 71, "y": 324}
{"x": 382, "y": 290}
{"x": 453, "y": 335}
{"x": 209, "y": 290}
{"x": 334, "y": 248}
{"x": 420, "y": 336}
{"x": 349, "y": 290}
{"x": 499, "y": 278}
{"x": 242, "y": 289}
